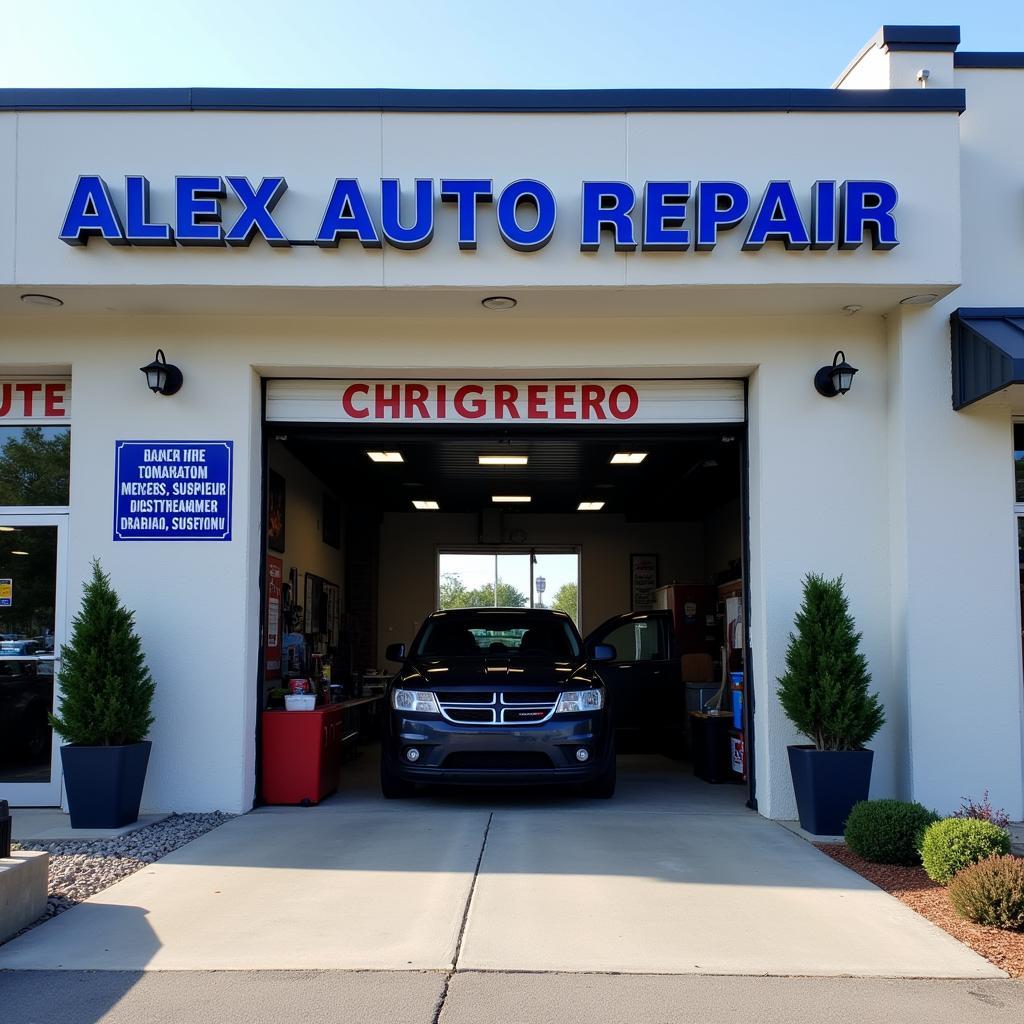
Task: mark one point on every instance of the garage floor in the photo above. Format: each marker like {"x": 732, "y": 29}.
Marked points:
{"x": 672, "y": 876}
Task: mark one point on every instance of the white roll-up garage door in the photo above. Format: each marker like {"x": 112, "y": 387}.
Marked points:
{"x": 508, "y": 402}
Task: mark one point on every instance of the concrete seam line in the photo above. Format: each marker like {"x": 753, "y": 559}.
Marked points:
{"x": 462, "y": 927}
{"x": 472, "y": 890}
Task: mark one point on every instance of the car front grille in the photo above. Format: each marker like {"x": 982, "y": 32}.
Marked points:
{"x": 479, "y": 708}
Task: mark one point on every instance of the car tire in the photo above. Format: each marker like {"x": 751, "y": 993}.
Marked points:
{"x": 392, "y": 787}
{"x": 603, "y": 787}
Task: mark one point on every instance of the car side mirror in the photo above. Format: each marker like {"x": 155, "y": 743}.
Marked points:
{"x": 395, "y": 652}
{"x": 603, "y": 652}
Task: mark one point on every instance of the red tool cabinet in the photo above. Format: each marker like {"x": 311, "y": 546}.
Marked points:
{"x": 302, "y": 754}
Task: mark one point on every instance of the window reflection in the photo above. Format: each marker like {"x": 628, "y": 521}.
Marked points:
{"x": 34, "y": 465}
{"x": 28, "y": 575}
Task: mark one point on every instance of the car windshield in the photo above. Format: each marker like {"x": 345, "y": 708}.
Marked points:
{"x": 490, "y": 633}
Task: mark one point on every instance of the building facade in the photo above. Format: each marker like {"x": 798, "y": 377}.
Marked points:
{"x": 735, "y": 238}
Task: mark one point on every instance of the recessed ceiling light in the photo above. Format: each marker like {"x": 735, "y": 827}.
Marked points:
{"x": 628, "y": 458}
{"x": 426, "y": 506}
{"x": 590, "y": 506}
{"x": 503, "y": 460}
{"x": 38, "y": 299}
{"x": 511, "y": 497}
{"x": 386, "y": 456}
{"x": 19, "y": 552}
{"x": 498, "y": 302}
{"x": 924, "y": 299}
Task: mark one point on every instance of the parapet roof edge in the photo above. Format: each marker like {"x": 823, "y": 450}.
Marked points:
{"x": 993, "y": 59}
{"x": 897, "y": 38}
{"x": 488, "y": 100}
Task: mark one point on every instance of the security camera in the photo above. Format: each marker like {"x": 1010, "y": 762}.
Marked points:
{"x": 923, "y": 75}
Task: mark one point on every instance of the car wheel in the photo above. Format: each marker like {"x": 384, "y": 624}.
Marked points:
{"x": 603, "y": 787}
{"x": 391, "y": 787}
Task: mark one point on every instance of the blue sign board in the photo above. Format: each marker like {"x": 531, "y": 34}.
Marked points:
{"x": 172, "y": 490}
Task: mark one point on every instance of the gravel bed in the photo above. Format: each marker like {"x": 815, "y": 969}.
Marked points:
{"x": 914, "y": 888}
{"x": 79, "y": 868}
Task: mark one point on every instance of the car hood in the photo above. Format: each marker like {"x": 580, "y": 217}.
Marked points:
{"x": 492, "y": 672}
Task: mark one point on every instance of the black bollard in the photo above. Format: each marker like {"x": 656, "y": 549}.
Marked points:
{"x": 5, "y": 829}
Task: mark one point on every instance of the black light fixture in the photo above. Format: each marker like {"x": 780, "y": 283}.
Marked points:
{"x": 836, "y": 379}
{"x": 162, "y": 377}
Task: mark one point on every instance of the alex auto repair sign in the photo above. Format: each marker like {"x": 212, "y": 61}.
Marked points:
{"x": 508, "y": 402}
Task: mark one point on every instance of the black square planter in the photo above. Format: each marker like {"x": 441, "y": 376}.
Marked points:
{"x": 827, "y": 784}
{"x": 104, "y": 784}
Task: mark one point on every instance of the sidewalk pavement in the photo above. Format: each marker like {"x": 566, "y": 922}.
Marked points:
{"x": 339, "y": 997}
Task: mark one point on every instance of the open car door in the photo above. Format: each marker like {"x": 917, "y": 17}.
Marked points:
{"x": 644, "y": 681}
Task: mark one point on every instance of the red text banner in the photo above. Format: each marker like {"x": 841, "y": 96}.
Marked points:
{"x": 26, "y": 400}
{"x": 508, "y": 402}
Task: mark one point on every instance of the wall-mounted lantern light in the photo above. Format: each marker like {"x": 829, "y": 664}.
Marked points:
{"x": 836, "y": 379}
{"x": 162, "y": 377}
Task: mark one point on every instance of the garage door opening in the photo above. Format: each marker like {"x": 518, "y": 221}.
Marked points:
{"x": 637, "y": 533}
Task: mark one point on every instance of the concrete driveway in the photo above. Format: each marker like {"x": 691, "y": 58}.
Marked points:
{"x": 672, "y": 876}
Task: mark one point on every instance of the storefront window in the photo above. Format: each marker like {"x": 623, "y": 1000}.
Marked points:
{"x": 34, "y": 465}
{"x": 1018, "y": 460}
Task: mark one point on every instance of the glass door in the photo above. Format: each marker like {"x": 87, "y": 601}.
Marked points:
{"x": 32, "y": 602}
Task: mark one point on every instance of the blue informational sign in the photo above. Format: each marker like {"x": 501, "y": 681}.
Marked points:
{"x": 173, "y": 490}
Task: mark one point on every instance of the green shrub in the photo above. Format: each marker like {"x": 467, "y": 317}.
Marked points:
{"x": 824, "y": 691}
{"x": 888, "y": 831}
{"x": 991, "y": 892}
{"x": 952, "y": 844}
{"x": 106, "y": 689}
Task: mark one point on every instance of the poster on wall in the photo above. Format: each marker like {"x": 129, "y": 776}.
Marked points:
{"x": 275, "y": 511}
{"x": 643, "y": 581}
{"x": 275, "y": 585}
{"x": 172, "y": 490}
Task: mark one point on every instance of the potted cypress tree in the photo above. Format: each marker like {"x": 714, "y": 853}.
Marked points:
{"x": 104, "y": 715}
{"x": 824, "y": 693}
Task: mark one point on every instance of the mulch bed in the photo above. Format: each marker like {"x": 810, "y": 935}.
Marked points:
{"x": 914, "y": 888}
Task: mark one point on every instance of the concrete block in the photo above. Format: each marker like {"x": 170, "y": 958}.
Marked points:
{"x": 23, "y": 888}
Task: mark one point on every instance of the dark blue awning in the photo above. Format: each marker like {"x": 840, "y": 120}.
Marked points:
{"x": 988, "y": 352}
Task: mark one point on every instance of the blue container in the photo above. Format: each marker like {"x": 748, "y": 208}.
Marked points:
{"x": 737, "y": 699}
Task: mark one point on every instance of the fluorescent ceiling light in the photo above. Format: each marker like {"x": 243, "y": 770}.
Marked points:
{"x": 426, "y": 506}
{"x": 511, "y": 497}
{"x": 503, "y": 460}
{"x": 590, "y": 506}
{"x": 628, "y": 458}
{"x": 386, "y": 456}
{"x": 19, "y": 552}
{"x": 8, "y": 529}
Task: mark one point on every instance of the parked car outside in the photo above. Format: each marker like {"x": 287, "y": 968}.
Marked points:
{"x": 498, "y": 696}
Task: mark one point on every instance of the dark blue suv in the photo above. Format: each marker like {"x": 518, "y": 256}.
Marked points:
{"x": 498, "y": 696}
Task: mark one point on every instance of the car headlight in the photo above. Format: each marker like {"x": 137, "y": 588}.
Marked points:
{"x": 580, "y": 700}
{"x": 415, "y": 700}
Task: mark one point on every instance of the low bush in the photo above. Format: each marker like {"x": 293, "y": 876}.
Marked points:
{"x": 983, "y": 811}
{"x": 952, "y": 844}
{"x": 991, "y": 892}
{"x": 888, "y": 831}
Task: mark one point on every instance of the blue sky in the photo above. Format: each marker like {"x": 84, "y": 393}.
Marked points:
{"x": 459, "y": 44}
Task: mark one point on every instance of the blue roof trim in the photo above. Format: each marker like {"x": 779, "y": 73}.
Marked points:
{"x": 987, "y": 346}
{"x": 968, "y": 59}
{"x": 925, "y": 38}
{"x": 491, "y": 100}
